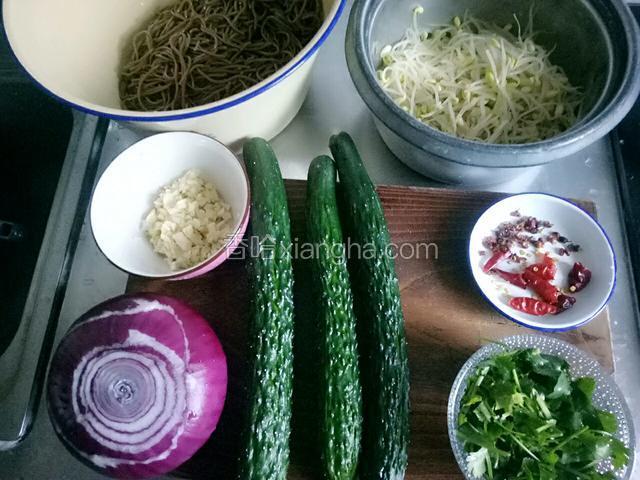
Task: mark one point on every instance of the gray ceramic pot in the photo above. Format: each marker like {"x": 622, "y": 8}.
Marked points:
{"x": 595, "y": 41}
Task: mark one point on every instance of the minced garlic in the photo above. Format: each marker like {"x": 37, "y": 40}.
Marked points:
{"x": 189, "y": 221}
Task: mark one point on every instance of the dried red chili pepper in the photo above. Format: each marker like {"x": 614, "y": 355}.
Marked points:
{"x": 546, "y": 268}
{"x": 565, "y": 302}
{"x": 493, "y": 261}
{"x": 513, "y": 278}
{"x": 532, "y": 306}
{"x": 542, "y": 287}
{"x": 579, "y": 277}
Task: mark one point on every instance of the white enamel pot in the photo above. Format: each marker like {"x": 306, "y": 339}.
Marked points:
{"x": 72, "y": 49}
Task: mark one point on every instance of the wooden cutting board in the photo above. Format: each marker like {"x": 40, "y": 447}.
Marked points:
{"x": 446, "y": 320}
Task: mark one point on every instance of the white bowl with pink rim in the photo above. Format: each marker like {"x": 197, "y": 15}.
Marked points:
{"x": 569, "y": 220}
{"x": 126, "y": 190}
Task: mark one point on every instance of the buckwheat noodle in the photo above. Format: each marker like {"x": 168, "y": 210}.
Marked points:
{"x": 199, "y": 51}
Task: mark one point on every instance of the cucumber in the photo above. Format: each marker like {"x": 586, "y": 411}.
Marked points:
{"x": 340, "y": 395}
{"x": 266, "y": 444}
{"x": 385, "y": 369}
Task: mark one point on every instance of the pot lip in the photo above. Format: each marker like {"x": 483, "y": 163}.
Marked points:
{"x": 306, "y": 54}
{"x": 492, "y": 155}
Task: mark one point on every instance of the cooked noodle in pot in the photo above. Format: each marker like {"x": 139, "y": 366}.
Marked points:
{"x": 199, "y": 51}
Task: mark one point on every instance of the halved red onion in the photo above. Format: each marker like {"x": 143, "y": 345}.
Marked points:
{"x": 137, "y": 385}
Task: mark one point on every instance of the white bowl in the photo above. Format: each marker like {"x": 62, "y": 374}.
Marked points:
{"x": 125, "y": 192}
{"x": 596, "y": 253}
{"x": 72, "y": 48}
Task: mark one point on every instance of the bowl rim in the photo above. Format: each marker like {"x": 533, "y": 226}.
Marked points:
{"x": 417, "y": 133}
{"x": 217, "y": 257}
{"x": 452, "y": 405}
{"x": 523, "y": 322}
{"x": 309, "y": 50}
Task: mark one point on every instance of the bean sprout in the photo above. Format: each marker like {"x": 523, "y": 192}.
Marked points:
{"x": 480, "y": 82}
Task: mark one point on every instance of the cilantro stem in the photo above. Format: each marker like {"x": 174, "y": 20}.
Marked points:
{"x": 487, "y": 460}
{"x": 481, "y": 377}
{"x": 517, "y": 380}
{"x": 573, "y": 472}
{"x": 568, "y": 439}
{"x": 523, "y": 447}
{"x": 591, "y": 464}
{"x": 549, "y": 424}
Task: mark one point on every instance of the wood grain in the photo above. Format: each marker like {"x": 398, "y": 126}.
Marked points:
{"x": 445, "y": 316}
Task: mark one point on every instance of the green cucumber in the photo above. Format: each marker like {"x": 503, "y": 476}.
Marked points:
{"x": 266, "y": 447}
{"x": 340, "y": 395}
{"x": 385, "y": 379}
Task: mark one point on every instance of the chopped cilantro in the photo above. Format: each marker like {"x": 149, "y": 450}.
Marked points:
{"x": 522, "y": 417}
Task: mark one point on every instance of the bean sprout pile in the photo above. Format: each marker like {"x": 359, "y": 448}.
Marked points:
{"x": 480, "y": 82}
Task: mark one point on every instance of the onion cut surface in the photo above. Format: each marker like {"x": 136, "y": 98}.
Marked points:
{"x": 480, "y": 82}
{"x": 137, "y": 385}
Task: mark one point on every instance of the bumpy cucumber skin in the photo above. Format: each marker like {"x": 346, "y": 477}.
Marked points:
{"x": 266, "y": 454}
{"x": 340, "y": 397}
{"x": 385, "y": 368}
